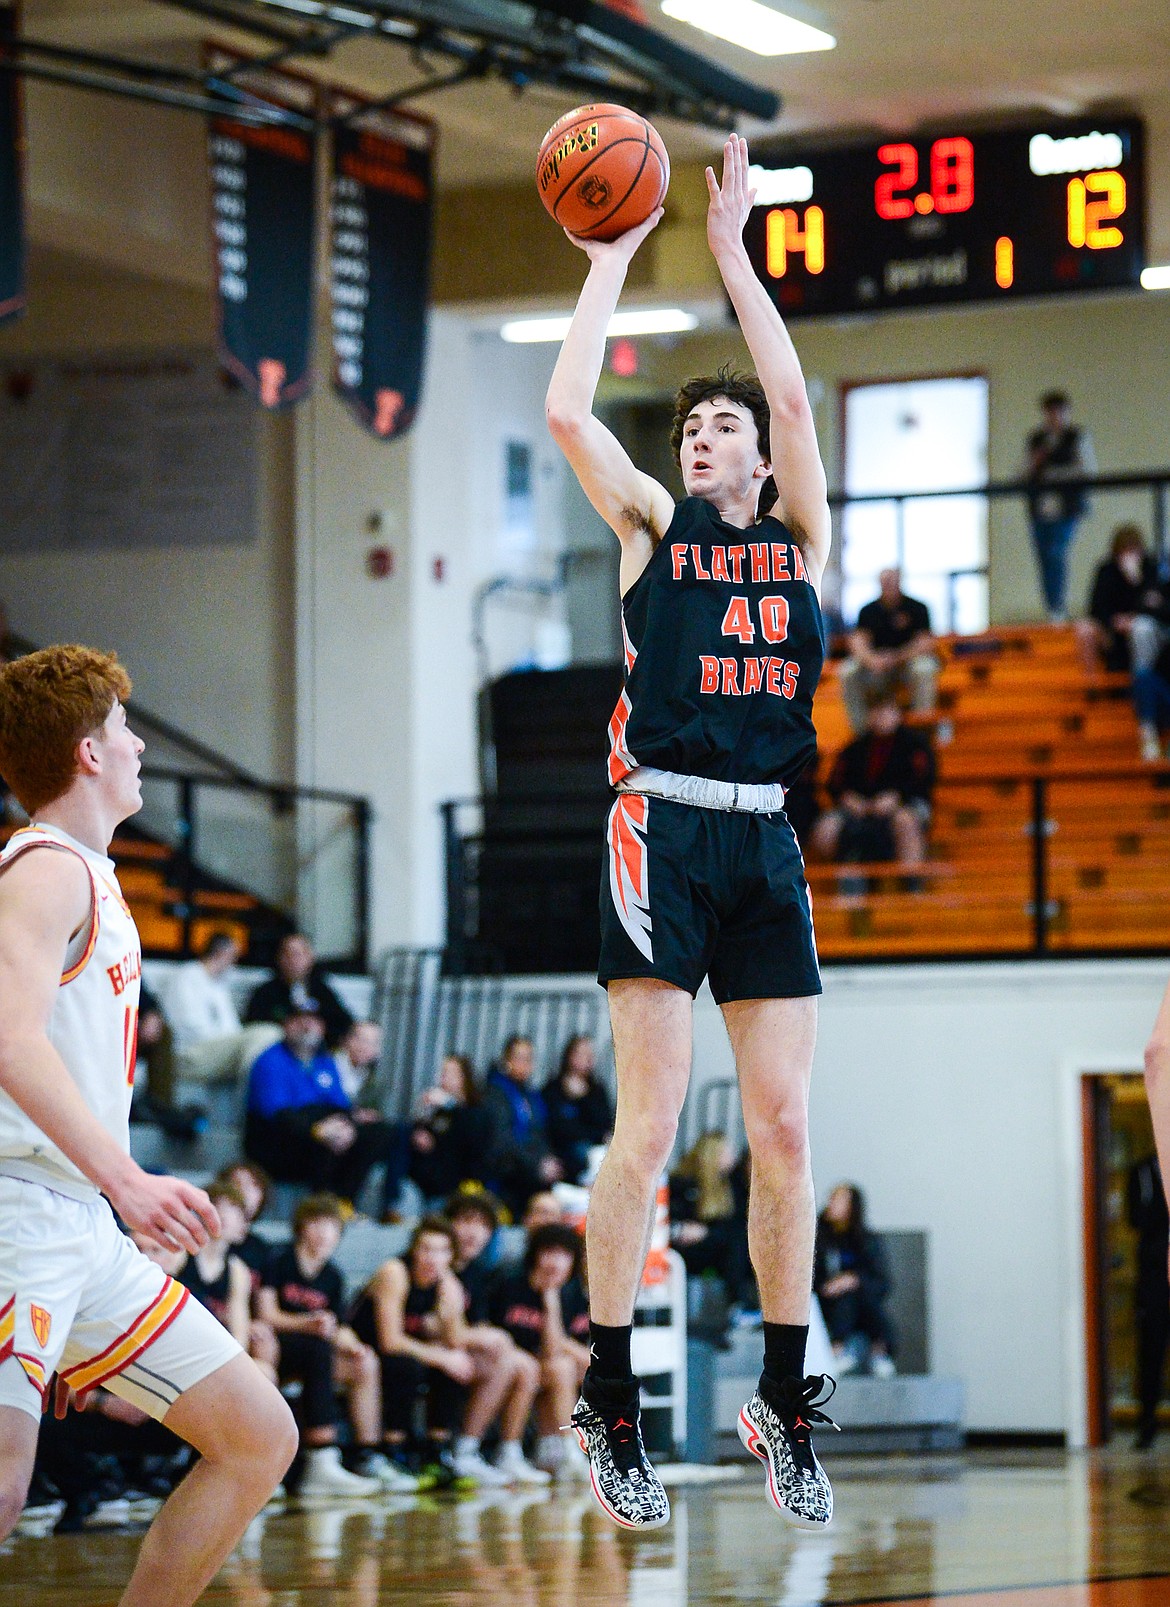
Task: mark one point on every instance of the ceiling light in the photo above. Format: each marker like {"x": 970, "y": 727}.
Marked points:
{"x": 1156, "y": 278}
{"x": 750, "y": 25}
{"x": 645, "y": 321}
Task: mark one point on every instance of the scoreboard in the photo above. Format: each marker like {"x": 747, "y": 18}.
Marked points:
{"x": 964, "y": 217}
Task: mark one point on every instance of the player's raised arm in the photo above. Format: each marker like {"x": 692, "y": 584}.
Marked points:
{"x": 45, "y": 899}
{"x": 636, "y": 507}
{"x": 796, "y": 460}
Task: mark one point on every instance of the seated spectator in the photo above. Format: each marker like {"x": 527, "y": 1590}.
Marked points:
{"x": 450, "y": 1136}
{"x": 411, "y": 1314}
{"x": 542, "y": 1208}
{"x": 220, "y": 1280}
{"x": 1128, "y": 622}
{"x": 357, "y": 1057}
{"x": 545, "y": 1310}
{"x": 301, "y": 1300}
{"x": 252, "y": 1184}
{"x": 890, "y": 650}
{"x": 300, "y": 1125}
{"x": 851, "y": 1281}
{"x": 210, "y": 1043}
{"x": 1151, "y": 695}
{"x": 579, "y": 1109}
{"x": 881, "y": 786}
{"x": 155, "y": 1103}
{"x": 510, "y": 1376}
{"x": 298, "y": 977}
{"x": 520, "y": 1160}
{"x": 708, "y": 1217}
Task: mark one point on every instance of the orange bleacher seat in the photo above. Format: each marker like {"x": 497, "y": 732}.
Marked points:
{"x": 1013, "y": 706}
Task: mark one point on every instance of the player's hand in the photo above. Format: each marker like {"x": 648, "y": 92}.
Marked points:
{"x": 167, "y": 1209}
{"x": 621, "y": 249}
{"x": 729, "y": 199}
{"x": 61, "y": 1397}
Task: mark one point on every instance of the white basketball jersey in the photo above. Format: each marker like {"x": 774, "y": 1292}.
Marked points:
{"x": 94, "y": 1024}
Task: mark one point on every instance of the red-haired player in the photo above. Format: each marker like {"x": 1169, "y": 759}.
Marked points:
{"x": 77, "y": 1298}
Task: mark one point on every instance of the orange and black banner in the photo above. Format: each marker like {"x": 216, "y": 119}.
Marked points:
{"x": 12, "y": 295}
{"x": 381, "y": 205}
{"x": 262, "y": 201}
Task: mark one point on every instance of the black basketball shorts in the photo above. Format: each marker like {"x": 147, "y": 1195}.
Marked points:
{"x": 689, "y": 892}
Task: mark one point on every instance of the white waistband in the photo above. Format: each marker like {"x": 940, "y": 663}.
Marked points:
{"x": 48, "y": 1177}
{"x": 741, "y": 797}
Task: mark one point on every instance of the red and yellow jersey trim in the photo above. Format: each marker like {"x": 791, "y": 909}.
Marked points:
{"x": 74, "y": 970}
{"x": 34, "y": 1371}
{"x": 143, "y": 1331}
{"x": 7, "y": 1328}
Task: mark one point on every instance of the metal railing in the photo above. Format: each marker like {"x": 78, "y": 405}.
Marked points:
{"x": 302, "y": 853}
{"x": 1151, "y": 483}
{"x": 426, "y": 1012}
{"x": 1049, "y": 880}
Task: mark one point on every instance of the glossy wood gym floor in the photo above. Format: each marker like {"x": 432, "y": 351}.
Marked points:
{"x": 981, "y": 1530}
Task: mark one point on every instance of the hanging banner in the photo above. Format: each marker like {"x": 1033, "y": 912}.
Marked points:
{"x": 262, "y": 211}
{"x": 12, "y": 295}
{"x": 380, "y": 262}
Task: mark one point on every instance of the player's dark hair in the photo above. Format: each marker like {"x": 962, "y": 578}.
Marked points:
{"x": 218, "y": 943}
{"x": 554, "y": 1236}
{"x": 733, "y": 387}
{"x": 1055, "y": 399}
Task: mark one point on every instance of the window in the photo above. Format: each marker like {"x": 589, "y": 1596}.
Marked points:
{"x": 918, "y": 435}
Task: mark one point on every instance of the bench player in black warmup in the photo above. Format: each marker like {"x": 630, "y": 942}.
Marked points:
{"x": 724, "y": 647}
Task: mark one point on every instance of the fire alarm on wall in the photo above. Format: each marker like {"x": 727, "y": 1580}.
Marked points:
{"x": 380, "y": 562}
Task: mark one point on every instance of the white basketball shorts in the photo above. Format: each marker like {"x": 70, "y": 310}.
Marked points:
{"x": 79, "y": 1299}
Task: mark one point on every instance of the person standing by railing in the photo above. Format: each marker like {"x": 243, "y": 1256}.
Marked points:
{"x": 1059, "y": 451}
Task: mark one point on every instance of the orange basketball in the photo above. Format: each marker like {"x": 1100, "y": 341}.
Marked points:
{"x": 602, "y": 170}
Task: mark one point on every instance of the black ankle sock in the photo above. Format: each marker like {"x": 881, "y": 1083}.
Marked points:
{"x": 609, "y": 1352}
{"x": 784, "y": 1346}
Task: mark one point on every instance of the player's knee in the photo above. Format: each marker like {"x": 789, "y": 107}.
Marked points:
{"x": 782, "y": 1138}
{"x": 649, "y": 1138}
{"x": 265, "y": 1437}
{"x": 526, "y": 1369}
{"x": 14, "y": 1482}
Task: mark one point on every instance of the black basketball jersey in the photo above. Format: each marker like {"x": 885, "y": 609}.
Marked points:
{"x": 212, "y": 1293}
{"x": 724, "y": 648}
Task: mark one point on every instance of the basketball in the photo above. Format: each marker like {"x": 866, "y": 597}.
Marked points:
{"x": 602, "y": 170}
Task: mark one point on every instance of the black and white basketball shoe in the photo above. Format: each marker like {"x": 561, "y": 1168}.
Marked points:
{"x": 776, "y": 1426}
{"x": 607, "y": 1423}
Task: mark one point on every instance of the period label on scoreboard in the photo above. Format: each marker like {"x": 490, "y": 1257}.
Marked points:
{"x": 381, "y": 222}
{"x": 12, "y": 293}
{"x": 262, "y": 201}
{"x": 1051, "y": 210}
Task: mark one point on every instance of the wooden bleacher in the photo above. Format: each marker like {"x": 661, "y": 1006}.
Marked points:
{"x": 148, "y": 877}
{"x": 1013, "y": 706}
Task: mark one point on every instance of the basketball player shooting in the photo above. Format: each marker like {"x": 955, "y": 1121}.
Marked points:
{"x": 724, "y": 647}
{"x": 77, "y": 1299}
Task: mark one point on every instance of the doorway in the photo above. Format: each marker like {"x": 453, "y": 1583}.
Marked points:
{"x": 1118, "y": 1139}
{"x": 912, "y": 436}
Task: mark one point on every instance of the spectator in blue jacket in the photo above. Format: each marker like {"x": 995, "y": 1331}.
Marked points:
{"x": 301, "y": 1126}
{"x": 520, "y": 1157}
